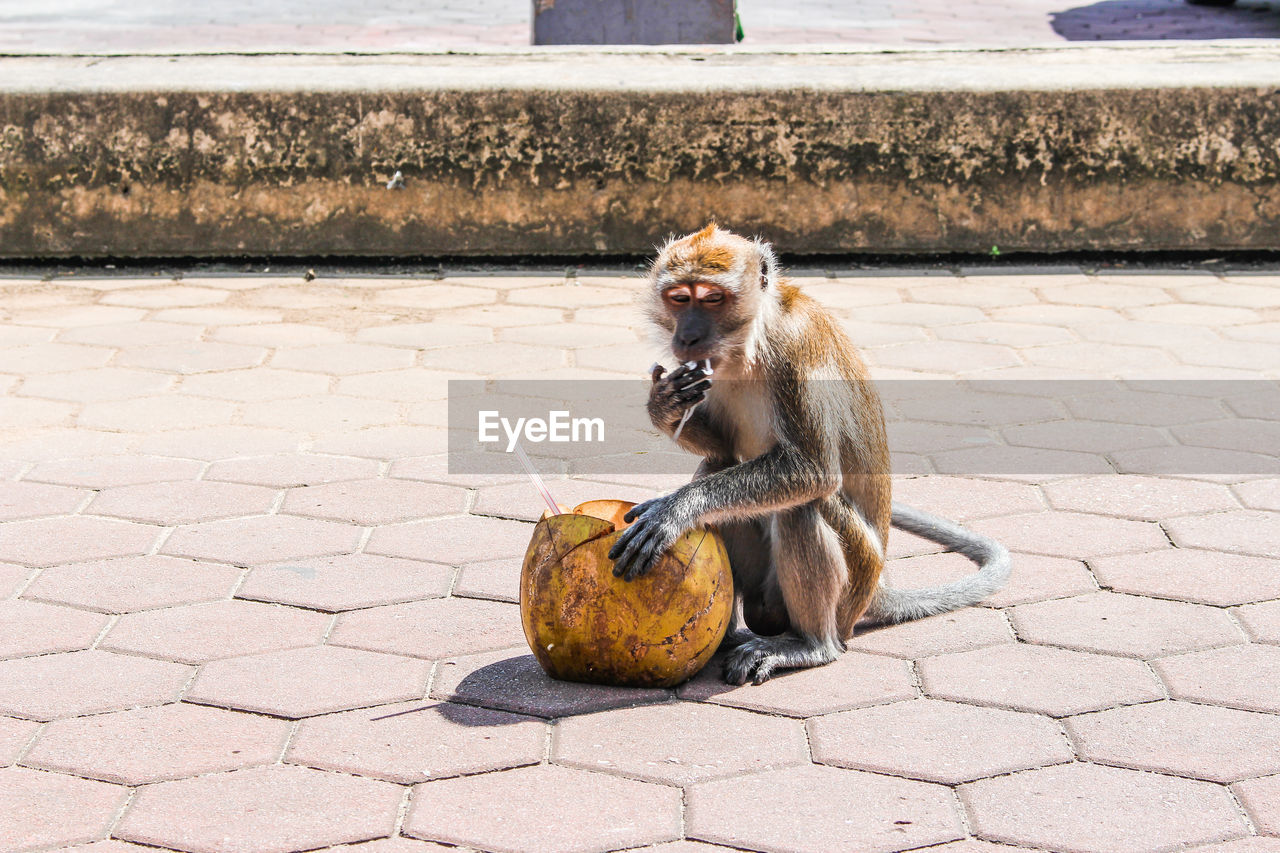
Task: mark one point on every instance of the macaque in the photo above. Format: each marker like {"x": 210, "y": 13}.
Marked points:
{"x": 795, "y": 466}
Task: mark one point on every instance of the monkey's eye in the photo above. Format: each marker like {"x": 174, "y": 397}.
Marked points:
{"x": 678, "y": 296}
{"x": 713, "y": 298}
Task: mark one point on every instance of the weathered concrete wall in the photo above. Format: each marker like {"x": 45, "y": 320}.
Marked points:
{"x": 493, "y": 171}
{"x": 633, "y": 22}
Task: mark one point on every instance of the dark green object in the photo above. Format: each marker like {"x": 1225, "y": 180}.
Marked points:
{"x": 737, "y": 23}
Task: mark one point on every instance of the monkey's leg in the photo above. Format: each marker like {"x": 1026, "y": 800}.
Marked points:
{"x": 810, "y": 567}
{"x": 753, "y": 577}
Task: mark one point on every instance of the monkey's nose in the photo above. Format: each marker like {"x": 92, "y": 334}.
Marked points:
{"x": 688, "y": 339}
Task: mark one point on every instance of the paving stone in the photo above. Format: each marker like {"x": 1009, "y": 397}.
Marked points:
{"x": 936, "y": 741}
{"x": 511, "y": 680}
{"x": 853, "y": 680}
{"x": 1040, "y": 679}
{"x": 412, "y": 384}
{"x": 1026, "y": 464}
{"x": 262, "y": 539}
{"x": 1130, "y": 406}
{"x": 498, "y": 580}
{"x": 384, "y": 442}
{"x": 1241, "y": 531}
{"x": 37, "y": 629}
{"x": 1144, "y": 811}
{"x": 103, "y": 472}
{"x": 960, "y": 630}
{"x": 1261, "y": 799}
{"x": 161, "y": 412}
{"x": 372, "y": 502}
{"x": 1094, "y": 437}
{"x": 424, "y": 335}
{"x": 38, "y": 809}
{"x": 133, "y": 583}
{"x": 569, "y": 296}
{"x": 12, "y": 578}
{"x": 265, "y": 809}
{"x": 304, "y": 682}
{"x": 962, "y": 498}
{"x": 1034, "y": 577}
{"x": 277, "y": 335}
{"x": 1244, "y": 845}
{"x": 82, "y": 386}
{"x": 178, "y": 503}
{"x": 289, "y": 470}
{"x": 26, "y": 414}
{"x": 342, "y": 359}
{"x": 255, "y": 385}
{"x": 14, "y": 737}
{"x": 33, "y": 500}
{"x": 624, "y": 813}
{"x": 210, "y": 443}
{"x": 298, "y": 296}
{"x": 1008, "y": 334}
{"x": 681, "y": 847}
{"x": 174, "y": 296}
{"x": 132, "y": 334}
{"x": 415, "y": 741}
{"x": 154, "y": 744}
{"x": 1106, "y": 293}
{"x": 441, "y": 627}
{"x": 572, "y": 335}
{"x": 978, "y": 291}
{"x": 190, "y": 357}
{"x": 1072, "y": 535}
{"x": 507, "y": 282}
{"x": 1182, "y": 739}
{"x": 196, "y": 633}
{"x": 1201, "y": 315}
{"x": 52, "y": 358}
{"x": 1110, "y": 360}
{"x": 778, "y": 810}
{"x": 678, "y": 743}
{"x": 1238, "y": 677}
{"x": 1142, "y": 498}
{"x": 1260, "y": 494}
{"x": 49, "y": 541}
{"x": 506, "y": 316}
{"x": 216, "y": 316}
{"x": 1067, "y": 316}
{"x": 436, "y": 296}
{"x": 346, "y": 582}
{"x": 393, "y": 845}
{"x": 452, "y": 540}
{"x": 1261, "y": 621}
{"x": 941, "y": 355}
{"x": 1129, "y": 625}
{"x": 518, "y": 500}
{"x": 47, "y": 687}
{"x": 321, "y": 413}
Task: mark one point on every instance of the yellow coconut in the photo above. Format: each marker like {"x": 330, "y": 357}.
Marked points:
{"x": 583, "y": 624}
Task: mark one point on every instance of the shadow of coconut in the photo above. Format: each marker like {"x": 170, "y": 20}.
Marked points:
{"x": 1157, "y": 20}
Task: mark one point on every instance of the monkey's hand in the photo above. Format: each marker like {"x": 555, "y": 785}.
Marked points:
{"x": 673, "y": 393}
{"x": 655, "y": 526}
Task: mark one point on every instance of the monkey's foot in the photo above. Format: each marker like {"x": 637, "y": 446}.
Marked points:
{"x": 734, "y": 639}
{"x": 758, "y": 658}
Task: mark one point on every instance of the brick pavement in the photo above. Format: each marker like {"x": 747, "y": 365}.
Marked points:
{"x": 339, "y": 26}
{"x": 245, "y": 608}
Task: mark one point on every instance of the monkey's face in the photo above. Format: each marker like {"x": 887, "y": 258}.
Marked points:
{"x": 698, "y": 312}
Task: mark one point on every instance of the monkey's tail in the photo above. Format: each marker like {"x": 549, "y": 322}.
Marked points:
{"x": 902, "y": 605}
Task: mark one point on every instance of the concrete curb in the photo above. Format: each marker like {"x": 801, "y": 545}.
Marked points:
{"x": 573, "y": 152}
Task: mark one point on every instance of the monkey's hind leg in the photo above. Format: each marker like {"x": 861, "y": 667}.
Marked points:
{"x": 747, "y": 545}
{"x": 810, "y": 568}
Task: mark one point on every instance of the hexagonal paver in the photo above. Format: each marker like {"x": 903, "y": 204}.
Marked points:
{"x": 854, "y": 680}
{"x": 47, "y": 687}
{"x": 321, "y": 413}
{"x": 133, "y": 583}
{"x": 1071, "y": 534}
{"x": 1034, "y": 577}
{"x": 511, "y": 680}
{"x": 100, "y": 472}
{"x": 437, "y": 295}
{"x": 265, "y": 809}
{"x": 221, "y": 442}
{"x": 511, "y": 500}
{"x": 172, "y": 504}
{"x": 154, "y": 744}
{"x": 961, "y": 498}
{"x": 1037, "y": 678}
{"x": 1261, "y": 621}
{"x": 1181, "y": 738}
{"x": 524, "y": 810}
{"x": 1260, "y": 494}
{"x": 387, "y": 443}
{"x": 1261, "y": 799}
{"x": 196, "y": 633}
{"x": 263, "y": 539}
{"x": 569, "y": 296}
{"x": 414, "y": 742}
{"x": 38, "y": 809}
{"x": 1144, "y": 812}
{"x": 107, "y": 383}
{"x": 1128, "y": 625}
{"x": 1253, "y": 844}
{"x": 423, "y": 335}
{"x": 372, "y": 502}
{"x": 346, "y": 582}
{"x": 304, "y": 682}
{"x": 32, "y": 500}
{"x": 936, "y": 741}
{"x": 69, "y": 539}
{"x": 132, "y": 334}
{"x": 156, "y": 413}
{"x": 35, "y": 629}
{"x": 411, "y": 385}
{"x": 1242, "y": 531}
{"x": 174, "y": 296}
{"x": 808, "y": 809}
{"x": 53, "y": 358}
{"x": 191, "y": 357}
{"x": 392, "y": 845}
{"x": 343, "y": 359}
{"x": 1242, "y": 677}
{"x": 494, "y": 359}
{"x": 957, "y": 631}
{"x": 498, "y": 580}
{"x": 452, "y": 540}
{"x": 678, "y": 743}
{"x": 1143, "y": 498}
{"x": 1206, "y": 577}
{"x": 437, "y": 628}
{"x": 14, "y": 737}
{"x": 289, "y": 470}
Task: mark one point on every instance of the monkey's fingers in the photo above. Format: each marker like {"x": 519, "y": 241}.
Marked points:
{"x": 692, "y": 394}
{"x": 639, "y": 510}
{"x": 655, "y": 372}
{"x": 691, "y": 380}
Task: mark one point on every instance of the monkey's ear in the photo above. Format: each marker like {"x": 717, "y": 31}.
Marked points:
{"x": 768, "y": 265}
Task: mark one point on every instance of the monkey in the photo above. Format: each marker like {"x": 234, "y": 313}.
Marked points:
{"x": 795, "y": 469}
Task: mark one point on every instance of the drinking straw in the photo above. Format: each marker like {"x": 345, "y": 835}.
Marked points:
{"x": 684, "y": 419}
{"x": 537, "y": 479}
